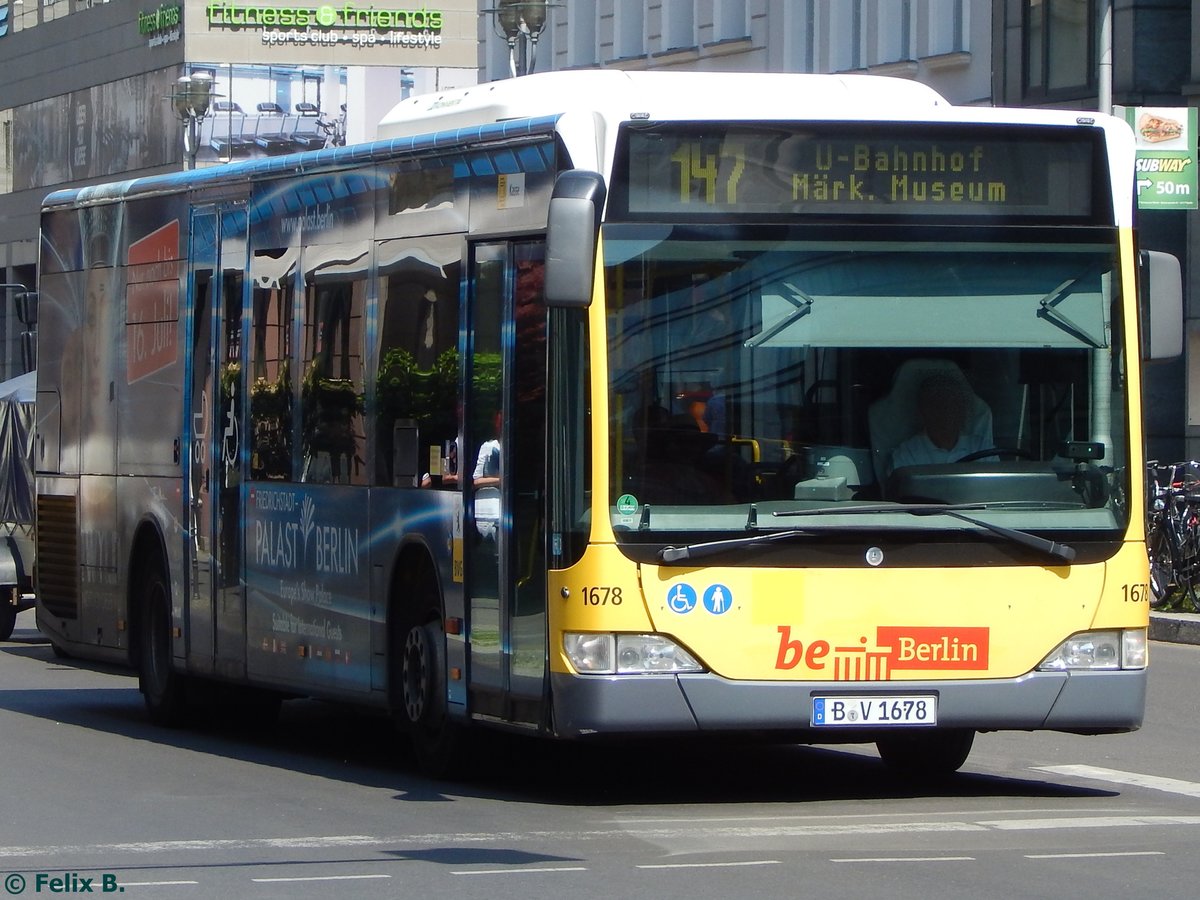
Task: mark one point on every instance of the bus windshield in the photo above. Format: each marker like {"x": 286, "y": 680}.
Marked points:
{"x": 757, "y": 371}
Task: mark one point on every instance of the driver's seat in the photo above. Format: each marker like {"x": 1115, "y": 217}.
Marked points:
{"x": 893, "y": 418}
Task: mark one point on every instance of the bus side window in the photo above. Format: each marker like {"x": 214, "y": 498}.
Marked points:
{"x": 271, "y": 386}
{"x": 418, "y": 366}
{"x": 331, "y": 391}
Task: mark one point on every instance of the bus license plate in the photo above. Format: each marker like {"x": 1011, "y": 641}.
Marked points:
{"x": 879, "y": 710}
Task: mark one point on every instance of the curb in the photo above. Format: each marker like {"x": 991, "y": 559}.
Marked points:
{"x": 1175, "y": 628}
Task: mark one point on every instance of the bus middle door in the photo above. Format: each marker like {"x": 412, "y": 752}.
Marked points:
{"x": 216, "y": 616}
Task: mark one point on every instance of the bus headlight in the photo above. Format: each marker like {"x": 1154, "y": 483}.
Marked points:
{"x": 627, "y": 654}
{"x": 1098, "y": 651}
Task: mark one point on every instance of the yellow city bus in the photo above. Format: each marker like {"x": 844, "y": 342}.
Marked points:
{"x": 603, "y": 404}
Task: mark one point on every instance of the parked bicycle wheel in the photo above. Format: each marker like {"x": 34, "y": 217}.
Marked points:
{"x": 1158, "y": 545}
{"x": 1187, "y": 560}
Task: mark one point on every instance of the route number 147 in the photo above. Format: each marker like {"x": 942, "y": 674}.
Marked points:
{"x": 700, "y": 170}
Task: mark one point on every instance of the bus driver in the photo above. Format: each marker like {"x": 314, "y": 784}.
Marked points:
{"x": 942, "y": 405}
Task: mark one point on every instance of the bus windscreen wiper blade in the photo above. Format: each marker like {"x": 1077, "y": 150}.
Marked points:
{"x": 710, "y": 548}
{"x": 916, "y": 509}
{"x": 1065, "y": 552}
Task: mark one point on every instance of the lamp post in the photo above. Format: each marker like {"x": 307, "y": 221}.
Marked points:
{"x": 191, "y": 99}
{"x": 521, "y": 21}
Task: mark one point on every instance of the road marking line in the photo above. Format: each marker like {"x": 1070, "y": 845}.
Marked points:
{"x": 126, "y": 884}
{"x": 317, "y": 878}
{"x": 1093, "y": 855}
{"x": 716, "y": 865}
{"x": 520, "y": 871}
{"x": 1096, "y": 773}
{"x": 891, "y": 859}
{"x": 715, "y": 820}
{"x": 1090, "y": 822}
{"x": 393, "y": 843}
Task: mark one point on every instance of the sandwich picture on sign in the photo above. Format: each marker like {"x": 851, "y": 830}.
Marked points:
{"x": 1153, "y": 128}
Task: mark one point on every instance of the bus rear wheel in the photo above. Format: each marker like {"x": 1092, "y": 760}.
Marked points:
{"x": 927, "y": 754}
{"x": 164, "y": 689}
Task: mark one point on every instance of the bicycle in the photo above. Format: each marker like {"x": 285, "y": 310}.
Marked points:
{"x": 1173, "y": 532}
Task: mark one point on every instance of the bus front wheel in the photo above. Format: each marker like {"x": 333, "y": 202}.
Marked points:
{"x": 927, "y": 754}
{"x": 435, "y": 739}
{"x": 163, "y": 688}
{"x": 8, "y": 620}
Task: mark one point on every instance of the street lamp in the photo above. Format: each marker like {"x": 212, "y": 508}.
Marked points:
{"x": 191, "y": 99}
{"x": 524, "y": 21}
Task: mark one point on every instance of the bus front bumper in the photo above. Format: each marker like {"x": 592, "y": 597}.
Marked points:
{"x": 1078, "y": 702}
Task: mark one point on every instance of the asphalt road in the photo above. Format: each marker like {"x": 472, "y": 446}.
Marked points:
{"x": 326, "y": 803}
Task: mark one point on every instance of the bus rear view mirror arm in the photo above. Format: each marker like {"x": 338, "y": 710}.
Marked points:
{"x": 573, "y": 224}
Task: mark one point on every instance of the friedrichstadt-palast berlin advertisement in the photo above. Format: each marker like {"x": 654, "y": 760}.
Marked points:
{"x": 343, "y": 32}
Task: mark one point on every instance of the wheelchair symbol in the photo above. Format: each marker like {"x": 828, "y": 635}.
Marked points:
{"x": 681, "y": 598}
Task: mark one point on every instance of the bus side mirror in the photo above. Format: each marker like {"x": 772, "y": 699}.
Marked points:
{"x": 25, "y": 303}
{"x": 572, "y": 228}
{"x": 27, "y": 308}
{"x": 1161, "y": 306}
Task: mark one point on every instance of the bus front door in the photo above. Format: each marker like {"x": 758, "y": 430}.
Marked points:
{"x": 216, "y": 614}
{"x": 505, "y": 437}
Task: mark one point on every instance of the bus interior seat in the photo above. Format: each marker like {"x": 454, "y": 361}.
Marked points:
{"x": 894, "y": 418}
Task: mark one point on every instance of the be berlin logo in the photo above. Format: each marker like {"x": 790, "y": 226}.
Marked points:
{"x": 66, "y": 883}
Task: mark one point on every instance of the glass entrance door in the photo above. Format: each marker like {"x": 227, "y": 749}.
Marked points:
{"x": 216, "y": 592}
{"x": 505, "y": 439}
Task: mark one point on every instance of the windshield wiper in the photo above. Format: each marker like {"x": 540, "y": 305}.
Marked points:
{"x": 1064, "y": 552}
{"x": 1047, "y": 310}
{"x": 803, "y": 303}
{"x": 711, "y": 548}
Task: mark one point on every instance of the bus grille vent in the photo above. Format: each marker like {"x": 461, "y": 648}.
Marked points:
{"x": 58, "y": 556}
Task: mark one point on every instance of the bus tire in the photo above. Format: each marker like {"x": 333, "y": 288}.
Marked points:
{"x": 8, "y": 620}
{"x": 927, "y": 754}
{"x": 420, "y": 673}
{"x": 163, "y": 689}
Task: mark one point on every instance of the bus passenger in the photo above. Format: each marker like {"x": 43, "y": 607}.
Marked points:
{"x": 487, "y": 463}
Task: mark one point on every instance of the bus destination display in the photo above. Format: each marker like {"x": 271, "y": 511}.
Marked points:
{"x": 848, "y": 169}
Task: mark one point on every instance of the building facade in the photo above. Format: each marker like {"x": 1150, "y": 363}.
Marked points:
{"x": 944, "y": 43}
{"x": 89, "y": 88}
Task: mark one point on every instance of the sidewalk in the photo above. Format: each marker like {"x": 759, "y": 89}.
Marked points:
{"x": 1175, "y": 628}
